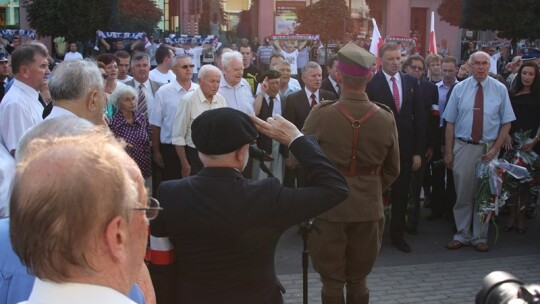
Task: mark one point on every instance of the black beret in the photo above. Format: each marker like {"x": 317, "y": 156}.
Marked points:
{"x": 221, "y": 131}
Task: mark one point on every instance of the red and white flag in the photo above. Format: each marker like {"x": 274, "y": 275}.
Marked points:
{"x": 432, "y": 39}
{"x": 376, "y": 42}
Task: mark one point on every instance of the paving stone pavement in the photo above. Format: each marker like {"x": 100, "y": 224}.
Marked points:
{"x": 444, "y": 282}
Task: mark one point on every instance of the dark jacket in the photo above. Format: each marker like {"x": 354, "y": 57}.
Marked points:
{"x": 224, "y": 228}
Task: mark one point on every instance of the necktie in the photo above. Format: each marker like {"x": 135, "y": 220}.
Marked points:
{"x": 395, "y": 92}
{"x": 313, "y": 100}
{"x": 141, "y": 100}
{"x": 271, "y": 106}
{"x": 478, "y": 115}
{"x": 41, "y": 101}
{"x": 2, "y": 90}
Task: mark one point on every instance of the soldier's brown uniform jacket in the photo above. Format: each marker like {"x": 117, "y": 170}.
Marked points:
{"x": 377, "y": 145}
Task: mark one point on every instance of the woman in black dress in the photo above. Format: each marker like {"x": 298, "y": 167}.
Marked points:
{"x": 525, "y": 98}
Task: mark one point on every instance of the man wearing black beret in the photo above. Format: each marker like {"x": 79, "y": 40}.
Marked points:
{"x": 216, "y": 238}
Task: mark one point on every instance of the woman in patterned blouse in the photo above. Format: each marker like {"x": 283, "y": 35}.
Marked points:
{"x": 133, "y": 127}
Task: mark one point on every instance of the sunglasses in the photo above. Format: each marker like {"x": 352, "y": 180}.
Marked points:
{"x": 152, "y": 210}
{"x": 105, "y": 76}
{"x": 416, "y": 68}
{"x": 187, "y": 66}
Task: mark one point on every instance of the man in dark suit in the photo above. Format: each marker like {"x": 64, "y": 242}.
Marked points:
{"x": 415, "y": 66}
{"x": 330, "y": 83}
{"x": 298, "y": 105}
{"x": 401, "y": 93}
{"x": 140, "y": 68}
{"x": 224, "y": 228}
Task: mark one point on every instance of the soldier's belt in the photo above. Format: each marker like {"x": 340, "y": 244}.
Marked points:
{"x": 346, "y": 171}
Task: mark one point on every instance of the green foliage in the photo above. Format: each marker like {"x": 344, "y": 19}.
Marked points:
{"x": 72, "y": 19}
{"x": 512, "y": 19}
{"x": 137, "y": 16}
{"x": 79, "y": 20}
{"x": 328, "y": 18}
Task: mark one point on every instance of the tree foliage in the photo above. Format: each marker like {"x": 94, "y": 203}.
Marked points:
{"x": 516, "y": 19}
{"x": 451, "y": 11}
{"x": 137, "y": 16}
{"x": 79, "y": 20}
{"x": 328, "y": 18}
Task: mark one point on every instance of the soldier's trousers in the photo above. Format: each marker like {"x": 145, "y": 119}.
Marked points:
{"x": 344, "y": 254}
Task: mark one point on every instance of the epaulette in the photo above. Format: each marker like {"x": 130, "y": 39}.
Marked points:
{"x": 324, "y": 103}
{"x": 383, "y": 106}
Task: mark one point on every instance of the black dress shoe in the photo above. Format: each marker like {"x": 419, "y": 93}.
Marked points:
{"x": 400, "y": 244}
{"x": 433, "y": 216}
{"x": 412, "y": 230}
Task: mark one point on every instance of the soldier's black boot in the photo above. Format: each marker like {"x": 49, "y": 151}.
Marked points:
{"x": 357, "y": 299}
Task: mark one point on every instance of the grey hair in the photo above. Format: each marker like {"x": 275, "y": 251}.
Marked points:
{"x": 208, "y": 68}
{"x": 311, "y": 65}
{"x": 177, "y": 58}
{"x": 121, "y": 90}
{"x": 280, "y": 63}
{"x": 227, "y": 57}
{"x": 54, "y": 127}
{"x": 73, "y": 79}
{"x": 139, "y": 56}
{"x": 475, "y": 54}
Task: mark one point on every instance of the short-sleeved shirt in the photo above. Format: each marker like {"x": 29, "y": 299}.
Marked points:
{"x": 238, "y": 97}
{"x": 497, "y": 108}
{"x": 137, "y": 135}
{"x": 157, "y": 76}
{"x": 292, "y": 58}
{"x": 165, "y": 106}
{"x": 190, "y": 107}
{"x": 19, "y": 111}
{"x": 264, "y": 53}
{"x": 443, "y": 92}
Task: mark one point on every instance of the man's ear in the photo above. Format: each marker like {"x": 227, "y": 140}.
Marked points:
{"x": 91, "y": 100}
{"x": 116, "y": 238}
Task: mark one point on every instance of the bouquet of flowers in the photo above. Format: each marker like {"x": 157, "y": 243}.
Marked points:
{"x": 492, "y": 188}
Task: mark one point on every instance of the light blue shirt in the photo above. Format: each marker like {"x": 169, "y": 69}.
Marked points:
{"x": 238, "y": 97}
{"x": 443, "y": 92}
{"x": 497, "y": 108}
{"x": 15, "y": 281}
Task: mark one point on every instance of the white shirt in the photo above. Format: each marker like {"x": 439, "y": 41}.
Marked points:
{"x": 45, "y": 292}
{"x": 59, "y": 111}
{"x": 277, "y": 104}
{"x": 7, "y": 175}
{"x": 72, "y": 56}
{"x": 308, "y": 93}
{"x": 157, "y": 76}
{"x": 397, "y": 76}
{"x": 19, "y": 111}
{"x": 195, "y": 54}
{"x": 165, "y": 106}
{"x": 493, "y": 62}
{"x": 238, "y": 97}
{"x": 147, "y": 93}
{"x": 189, "y": 108}
{"x": 128, "y": 78}
{"x": 292, "y": 59}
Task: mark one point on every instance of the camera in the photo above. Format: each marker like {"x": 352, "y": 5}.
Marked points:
{"x": 500, "y": 287}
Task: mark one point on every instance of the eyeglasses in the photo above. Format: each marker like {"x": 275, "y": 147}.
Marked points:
{"x": 187, "y": 66}
{"x": 152, "y": 210}
{"x": 416, "y": 68}
{"x": 105, "y": 76}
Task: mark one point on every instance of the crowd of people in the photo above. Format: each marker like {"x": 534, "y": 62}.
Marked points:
{"x": 419, "y": 125}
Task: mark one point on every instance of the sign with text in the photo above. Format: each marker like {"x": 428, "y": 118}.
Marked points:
{"x": 285, "y": 18}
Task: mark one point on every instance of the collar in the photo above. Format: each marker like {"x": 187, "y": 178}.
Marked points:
{"x": 59, "y": 111}
{"x": 179, "y": 88}
{"x": 441, "y": 83}
{"x": 308, "y": 93}
{"x": 26, "y": 88}
{"x": 50, "y": 292}
{"x": 397, "y": 76}
{"x": 224, "y": 83}
{"x": 220, "y": 172}
{"x": 267, "y": 97}
{"x": 145, "y": 84}
{"x": 202, "y": 98}
{"x": 355, "y": 96}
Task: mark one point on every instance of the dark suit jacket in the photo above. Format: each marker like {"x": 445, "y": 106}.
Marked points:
{"x": 153, "y": 84}
{"x": 430, "y": 97}
{"x": 410, "y": 120}
{"x": 298, "y": 106}
{"x": 224, "y": 228}
{"x": 327, "y": 85}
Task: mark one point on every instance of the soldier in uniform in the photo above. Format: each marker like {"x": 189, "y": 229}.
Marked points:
{"x": 360, "y": 138}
